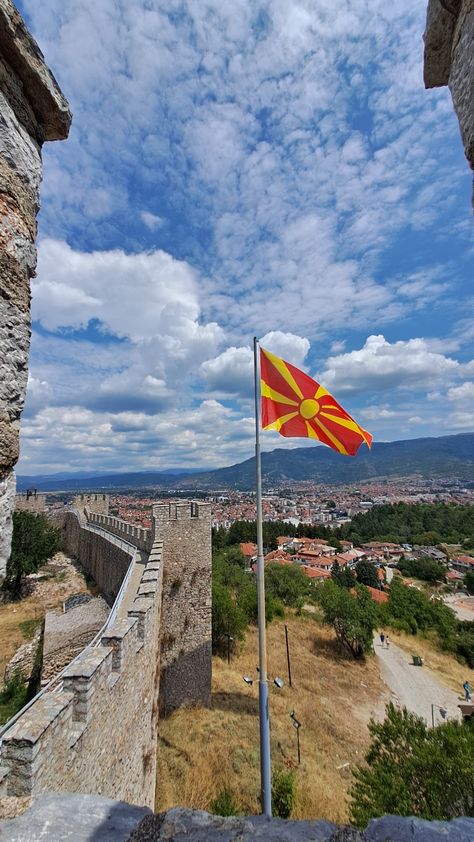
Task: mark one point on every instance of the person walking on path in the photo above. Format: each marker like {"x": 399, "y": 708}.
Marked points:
{"x": 382, "y": 638}
{"x": 467, "y": 690}
{"x": 387, "y": 641}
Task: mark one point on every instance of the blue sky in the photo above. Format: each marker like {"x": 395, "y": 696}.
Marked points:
{"x": 255, "y": 168}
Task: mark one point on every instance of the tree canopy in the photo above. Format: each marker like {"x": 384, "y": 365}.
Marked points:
{"x": 413, "y": 770}
{"x": 34, "y": 541}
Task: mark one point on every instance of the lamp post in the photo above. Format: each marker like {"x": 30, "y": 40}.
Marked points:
{"x": 296, "y": 724}
{"x": 442, "y": 711}
{"x": 229, "y": 641}
{"x": 288, "y": 655}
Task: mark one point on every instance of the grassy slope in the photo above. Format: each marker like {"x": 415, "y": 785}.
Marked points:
{"x": 444, "y": 666}
{"x": 200, "y": 750}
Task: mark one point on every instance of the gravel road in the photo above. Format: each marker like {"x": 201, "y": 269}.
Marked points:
{"x": 413, "y": 687}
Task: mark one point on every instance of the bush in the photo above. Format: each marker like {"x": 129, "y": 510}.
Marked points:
{"x": 288, "y": 583}
{"x": 367, "y": 574}
{"x": 413, "y": 770}
{"x": 13, "y": 696}
{"x": 283, "y": 793}
{"x": 227, "y": 618}
{"x": 224, "y": 803}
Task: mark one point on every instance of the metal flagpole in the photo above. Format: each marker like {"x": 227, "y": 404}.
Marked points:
{"x": 264, "y": 718}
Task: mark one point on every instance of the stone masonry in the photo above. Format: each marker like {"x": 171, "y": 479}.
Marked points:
{"x": 32, "y": 110}
{"x": 95, "y": 729}
{"x": 449, "y": 60}
{"x": 186, "y": 648}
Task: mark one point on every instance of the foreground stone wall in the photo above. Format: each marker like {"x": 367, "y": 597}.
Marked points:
{"x": 449, "y": 60}
{"x": 186, "y": 647}
{"x": 32, "y": 110}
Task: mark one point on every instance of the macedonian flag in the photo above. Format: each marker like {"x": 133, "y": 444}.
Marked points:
{"x": 296, "y": 405}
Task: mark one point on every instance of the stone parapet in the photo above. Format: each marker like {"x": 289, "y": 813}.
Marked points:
{"x": 136, "y": 535}
{"x": 97, "y": 730}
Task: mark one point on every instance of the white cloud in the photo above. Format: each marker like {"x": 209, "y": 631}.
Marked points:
{"x": 151, "y": 220}
{"x": 231, "y": 372}
{"x": 381, "y": 365}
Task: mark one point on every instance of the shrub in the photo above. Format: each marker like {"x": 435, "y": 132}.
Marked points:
{"x": 413, "y": 770}
{"x": 283, "y": 793}
{"x": 13, "y": 696}
{"x": 224, "y": 803}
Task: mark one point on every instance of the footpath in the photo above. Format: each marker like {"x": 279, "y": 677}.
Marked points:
{"x": 413, "y": 687}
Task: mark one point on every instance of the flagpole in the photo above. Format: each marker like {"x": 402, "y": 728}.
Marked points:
{"x": 264, "y": 718}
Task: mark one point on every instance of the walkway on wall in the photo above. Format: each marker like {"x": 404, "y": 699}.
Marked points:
{"x": 129, "y": 597}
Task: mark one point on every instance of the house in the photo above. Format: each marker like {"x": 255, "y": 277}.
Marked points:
{"x": 462, "y": 563}
{"x": 250, "y": 551}
{"x": 316, "y": 573}
{"x": 278, "y": 557}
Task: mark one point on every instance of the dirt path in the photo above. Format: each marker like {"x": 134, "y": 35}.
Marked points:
{"x": 414, "y": 687}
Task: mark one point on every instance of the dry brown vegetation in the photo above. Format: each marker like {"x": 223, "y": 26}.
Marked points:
{"x": 58, "y": 579}
{"x": 201, "y": 751}
{"x": 442, "y": 665}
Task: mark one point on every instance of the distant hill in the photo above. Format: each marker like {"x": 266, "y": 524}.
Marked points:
{"x": 446, "y": 456}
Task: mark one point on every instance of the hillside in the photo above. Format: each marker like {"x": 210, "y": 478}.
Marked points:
{"x": 201, "y": 751}
{"x": 446, "y": 456}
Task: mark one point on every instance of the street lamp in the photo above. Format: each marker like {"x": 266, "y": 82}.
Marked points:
{"x": 229, "y": 641}
{"x": 278, "y": 682}
{"x": 442, "y": 711}
{"x": 296, "y": 724}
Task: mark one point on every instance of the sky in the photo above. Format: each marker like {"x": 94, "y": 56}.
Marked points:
{"x": 270, "y": 169}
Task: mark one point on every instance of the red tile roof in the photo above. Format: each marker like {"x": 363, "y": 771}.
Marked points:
{"x": 248, "y": 549}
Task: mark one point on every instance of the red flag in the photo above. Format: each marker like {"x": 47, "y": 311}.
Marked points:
{"x": 296, "y": 405}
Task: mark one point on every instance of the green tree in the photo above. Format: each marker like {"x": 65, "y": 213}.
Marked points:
{"x": 352, "y": 615}
{"x": 469, "y": 581}
{"x": 342, "y": 576}
{"x": 227, "y": 618}
{"x": 415, "y": 770}
{"x": 366, "y": 574}
{"x": 288, "y": 583}
{"x": 34, "y": 541}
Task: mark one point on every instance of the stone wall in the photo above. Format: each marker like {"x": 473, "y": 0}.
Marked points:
{"x": 32, "y": 110}
{"x": 97, "y": 731}
{"x": 186, "y": 648}
{"x": 136, "y": 535}
{"x": 100, "y": 558}
{"x": 67, "y": 634}
{"x": 98, "y": 503}
{"x": 30, "y": 502}
{"x": 449, "y": 60}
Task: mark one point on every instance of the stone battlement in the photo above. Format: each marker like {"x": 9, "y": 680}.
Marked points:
{"x": 95, "y": 728}
{"x": 136, "y": 535}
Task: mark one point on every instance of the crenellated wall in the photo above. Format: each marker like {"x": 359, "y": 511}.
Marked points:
{"x": 137, "y": 535}
{"x": 95, "y": 729}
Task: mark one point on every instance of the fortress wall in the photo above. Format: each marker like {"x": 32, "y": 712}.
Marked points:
{"x": 186, "y": 646}
{"x": 30, "y": 503}
{"x": 136, "y": 535}
{"x": 98, "y": 503}
{"x": 98, "y": 731}
{"x": 100, "y": 558}
{"x": 32, "y": 110}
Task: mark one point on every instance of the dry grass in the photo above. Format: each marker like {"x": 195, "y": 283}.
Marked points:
{"x": 200, "y": 751}
{"x": 57, "y": 580}
{"x": 443, "y": 666}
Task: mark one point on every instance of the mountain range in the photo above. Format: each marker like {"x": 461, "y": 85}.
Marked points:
{"x": 449, "y": 457}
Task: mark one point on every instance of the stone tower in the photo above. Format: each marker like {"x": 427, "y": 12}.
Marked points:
{"x": 186, "y": 639}
{"x": 449, "y": 60}
{"x": 32, "y": 110}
